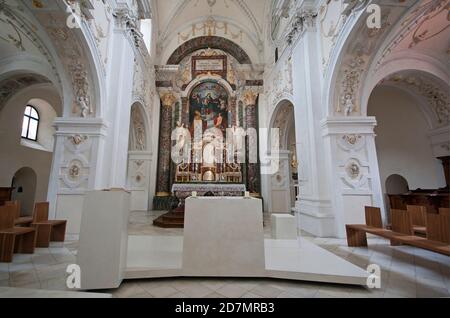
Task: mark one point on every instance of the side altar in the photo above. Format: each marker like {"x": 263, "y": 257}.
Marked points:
{"x": 181, "y": 191}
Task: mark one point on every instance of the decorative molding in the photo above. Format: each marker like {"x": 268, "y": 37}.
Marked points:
{"x": 249, "y": 97}
{"x": 168, "y": 99}
{"x": 438, "y": 99}
{"x": 302, "y": 21}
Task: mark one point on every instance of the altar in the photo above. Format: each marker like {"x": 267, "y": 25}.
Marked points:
{"x": 184, "y": 190}
{"x": 181, "y": 191}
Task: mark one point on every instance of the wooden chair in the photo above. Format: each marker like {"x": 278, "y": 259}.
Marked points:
{"x": 14, "y": 239}
{"x": 373, "y": 217}
{"x": 19, "y": 220}
{"x": 401, "y": 223}
{"x": 438, "y": 227}
{"x": 418, "y": 219}
{"x": 47, "y": 230}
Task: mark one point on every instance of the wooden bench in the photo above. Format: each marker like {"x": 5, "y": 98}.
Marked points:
{"x": 47, "y": 230}
{"x": 401, "y": 232}
{"x": 14, "y": 239}
{"x": 18, "y": 219}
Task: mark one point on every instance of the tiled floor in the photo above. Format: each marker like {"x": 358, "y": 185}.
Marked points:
{"x": 406, "y": 272}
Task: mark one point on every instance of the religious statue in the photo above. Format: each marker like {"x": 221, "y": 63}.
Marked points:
{"x": 83, "y": 104}
{"x": 138, "y": 131}
{"x": 349, "y": 107}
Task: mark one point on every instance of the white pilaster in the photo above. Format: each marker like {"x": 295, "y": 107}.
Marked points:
{"x": 353, "y": 165}
{"x": 77, "y": 162}
{"x": 314, "y": 203}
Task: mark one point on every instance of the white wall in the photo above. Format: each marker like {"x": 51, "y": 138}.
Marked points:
{"x": 14, "y": 155}
{"x": 402, "y": 144}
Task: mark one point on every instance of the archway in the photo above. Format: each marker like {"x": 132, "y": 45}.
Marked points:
{"x": 283, "y": 185}
{"x": 410, "y": 109}
{"x": 36, "y": 91}
{"x": 24, "y": 183}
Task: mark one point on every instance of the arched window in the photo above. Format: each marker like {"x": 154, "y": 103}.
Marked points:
{"x": 30, "y": 123}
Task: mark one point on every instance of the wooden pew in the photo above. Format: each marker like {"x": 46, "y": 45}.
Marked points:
{"x": 445, "y": 224}
{"x": 19, "y": 220}
{"x": 47, "y": 230}
{"x": 439, "y": 226}
{"x": 401, "y": 233}
{"x": 418, "y": 219}
{"x": 14, "y": 239}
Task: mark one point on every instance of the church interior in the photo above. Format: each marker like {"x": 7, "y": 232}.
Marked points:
{"x": 224, "y": 149}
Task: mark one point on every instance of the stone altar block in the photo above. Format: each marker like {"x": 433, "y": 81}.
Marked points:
{"x": 284, "y": 227}
{"x": 223, "y": 237}
{"x": 102, "y": 254}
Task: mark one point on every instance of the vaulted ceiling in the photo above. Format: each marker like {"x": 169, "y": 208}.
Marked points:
{"x": 176, "y": 18}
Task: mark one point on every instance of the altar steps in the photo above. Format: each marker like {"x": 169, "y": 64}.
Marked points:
{"x": 171, "y": 220}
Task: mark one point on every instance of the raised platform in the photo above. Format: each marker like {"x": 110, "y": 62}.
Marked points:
{"x": 162, "y": 256}
{"x": 10, "y": 292}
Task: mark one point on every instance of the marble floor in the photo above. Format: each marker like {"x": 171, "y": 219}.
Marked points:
{"x": 405, "y": 272}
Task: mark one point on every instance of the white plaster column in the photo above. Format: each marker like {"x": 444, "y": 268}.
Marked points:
{"x": 313, "y": 206}
{"x": 120, "y": 92}
{"x": 353, "y": 165}
{"x": 76, "y": 166}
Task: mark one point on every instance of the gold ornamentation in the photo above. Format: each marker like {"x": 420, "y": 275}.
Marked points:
{"x": 250, "y": 97}
{"x": 168, "y": 99}
{"x": 78, "y": 139}
{"x": 351, "y": 139}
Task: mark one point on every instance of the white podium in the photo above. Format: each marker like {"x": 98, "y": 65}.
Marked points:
{"x": 102, "y": 254}
{"x": 223, "y": 237}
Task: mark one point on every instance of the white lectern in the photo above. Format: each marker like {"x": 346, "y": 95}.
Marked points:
{"x": 102, "y": 254}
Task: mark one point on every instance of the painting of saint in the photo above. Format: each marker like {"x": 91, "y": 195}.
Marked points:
{"x": 209, "y": 103}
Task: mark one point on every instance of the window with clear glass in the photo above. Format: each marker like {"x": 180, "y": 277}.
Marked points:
{"x": 30, "y": 123}
{"x": 146, "y": 30}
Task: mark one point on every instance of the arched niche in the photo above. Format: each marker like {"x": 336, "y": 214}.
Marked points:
{"x": 139, "y": 139}
{"x": 396, "y": 184}
{"x": 24, "y": 183}
{"x": 282, "y": 189}
{"x": 139, "y": 159}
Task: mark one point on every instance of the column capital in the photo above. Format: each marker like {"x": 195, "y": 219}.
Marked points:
{"x": 167, "y": 98}
{"x": 348, "y": 125}
{"x": 250, "y": 97}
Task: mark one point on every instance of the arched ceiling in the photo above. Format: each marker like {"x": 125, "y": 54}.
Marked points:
{"x": 175, "y": 20}
{"x": 205, "y": 42}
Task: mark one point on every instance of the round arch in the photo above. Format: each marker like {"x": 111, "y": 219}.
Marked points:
{"x": 213, "y": 42}
{"x": 282, "y": 105}
{"x": 203, "y": 79}
{"x": 419, "y": 65}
